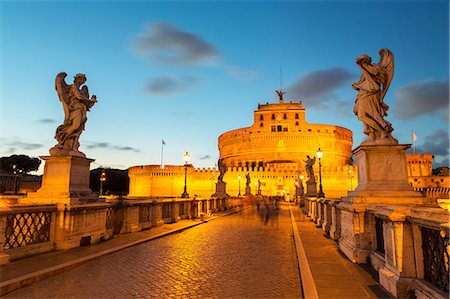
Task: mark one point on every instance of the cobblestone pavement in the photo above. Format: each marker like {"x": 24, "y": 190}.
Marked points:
{"x": 232, "y": 257}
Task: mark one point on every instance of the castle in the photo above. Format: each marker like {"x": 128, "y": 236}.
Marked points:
{"x": 272, "y": 151}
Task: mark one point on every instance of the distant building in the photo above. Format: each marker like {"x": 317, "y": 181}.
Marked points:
{"x": 272, "y": 151}
{"x": 421, "y": 178}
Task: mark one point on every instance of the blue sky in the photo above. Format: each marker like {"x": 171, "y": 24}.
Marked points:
{"x": 187, "y": 71}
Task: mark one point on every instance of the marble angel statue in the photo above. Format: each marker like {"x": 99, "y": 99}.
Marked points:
{"x": 76, "y": 103}
{"x": 369, "y": 105}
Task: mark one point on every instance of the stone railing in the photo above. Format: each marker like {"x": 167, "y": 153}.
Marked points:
{"x": 26, "y": 230}
{"x": 408, "y": 246}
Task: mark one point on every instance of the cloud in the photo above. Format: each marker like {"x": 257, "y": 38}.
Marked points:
{"x": 437, "y": 143}
{"x": 46, "y": 121}
{"x": 15, "y": 144}
{"x": 168, "y": 85}
{"x": 317, "y": 88}
{"x": 106, "y": 145}
{"x": 164, "y": 43}
{"x": 205, "y": 157}
{"x": 423, "y": 97}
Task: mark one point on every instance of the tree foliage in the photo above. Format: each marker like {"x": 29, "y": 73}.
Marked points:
{"x": 117, "y": 181}
{"x": 19, "y": 164}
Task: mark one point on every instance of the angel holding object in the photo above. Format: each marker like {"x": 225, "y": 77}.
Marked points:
{"x": 76, "y": 103}
{"x": 369, "y": 105}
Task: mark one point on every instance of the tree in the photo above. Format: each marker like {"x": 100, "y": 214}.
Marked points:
{"x": 116, "y": 182}
{"x": 18, "y": 165}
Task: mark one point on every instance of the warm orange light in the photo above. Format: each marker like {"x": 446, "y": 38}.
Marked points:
{"x": 186, "y": 157}
{"x": 319, "y": 154}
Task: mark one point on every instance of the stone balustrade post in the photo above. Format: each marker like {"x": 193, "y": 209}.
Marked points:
{"x": 335, "y": 228}
{"x": 131, "y": 218}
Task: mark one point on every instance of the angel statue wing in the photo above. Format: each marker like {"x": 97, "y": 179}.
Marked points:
{"x": 63, "y": 93}
{"x": 387, "y": 64}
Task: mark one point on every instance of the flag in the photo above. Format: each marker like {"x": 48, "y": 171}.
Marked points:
{"x": 165, "y": 143}
{"x": 414, "y": 137}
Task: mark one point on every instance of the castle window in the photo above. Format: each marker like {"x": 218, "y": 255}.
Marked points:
{"x": 261, "y": 117}
{"x": 279, "y": 128}
{"x": 273, "y": 128}
{"x": 296, "y": 115}
{"x": 273, "y": 116}
{"x": 285, "y": 129}
{"x": 261, "y": 124}
{"x": 296, "y": 123}
{"x": 284, "y": 116}
{"x": 309, "y": 130}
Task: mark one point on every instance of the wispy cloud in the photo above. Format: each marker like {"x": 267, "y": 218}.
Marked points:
{"x": 46, "y": 121}
{"x": 317, "y": 89}
{"x": 164, "y": 43}
{"x": 106, "y": 145}
{"x": 437, "y": 143}
{"x": 205, "y": 157}
{"x": 319, "y": 85}
{"x": 14, "y": 145}
{"x": 169, "y": 85}
{"x": 423, "y": 97}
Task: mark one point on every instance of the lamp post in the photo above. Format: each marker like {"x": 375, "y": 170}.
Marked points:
{"x": 319, "y": 154}
{"x": 102, "y": 179}
{"x": 186, "y": 158}
{"x": 239, "y": 179}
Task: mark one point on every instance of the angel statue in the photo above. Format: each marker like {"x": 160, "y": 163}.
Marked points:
{"x": 76, "y": 103}
{"x": 369, "y": 105}
{"x": 222, "y": 169}
{"x": 309, "y": 168}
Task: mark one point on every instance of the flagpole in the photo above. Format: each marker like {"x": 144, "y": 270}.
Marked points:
{"x": 162, "y": 153}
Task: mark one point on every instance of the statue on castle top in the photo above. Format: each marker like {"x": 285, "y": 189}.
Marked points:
{"x": 280, "y": 94}
{"x": 369, "y": 105}
{"x": 309, "y": 168}
{"x": 76, "y": 103}
{"x": 222, "y": 169}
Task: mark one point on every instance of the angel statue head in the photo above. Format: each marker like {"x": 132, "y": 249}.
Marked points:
{"x": 76, "y": 103}
{"x": 372, "y": 88}
{"x": 80, "y": 78}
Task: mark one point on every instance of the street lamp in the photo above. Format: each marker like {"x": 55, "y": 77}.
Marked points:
{"x": 319, "y": 154}
{"x": 102, "y": 179}
{"x": 186, "y": 158}
{"x": 239, "y": 179}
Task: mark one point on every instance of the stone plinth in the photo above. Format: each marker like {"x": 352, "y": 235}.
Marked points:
{"x": 311, "y": 189}
{"x": 248, "y": 191}
{"x": 65, "y": 181}
{"x": 382, "y": 168}
{"x": 382, "y": 179}
{"x": 221, "y": 190}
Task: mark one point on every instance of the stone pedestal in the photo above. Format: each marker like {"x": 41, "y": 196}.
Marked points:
{"x": 382, "y": 179}
{"x": 221, "y": 190}
{"x": 311, "y": 189}
{"x": 65, "y": 181}
{"x": 248, "y": 191}
{"x": 81, "y": 216}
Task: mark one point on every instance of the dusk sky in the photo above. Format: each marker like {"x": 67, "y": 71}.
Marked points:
{"x": 188, "y": 71}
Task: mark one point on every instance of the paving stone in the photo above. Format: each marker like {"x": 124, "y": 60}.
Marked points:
{"x": 232, "y": 257}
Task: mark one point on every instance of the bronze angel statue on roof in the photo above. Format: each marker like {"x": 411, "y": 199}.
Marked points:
{"x": 369, "y": 105}
{"x": 76, "y": 103}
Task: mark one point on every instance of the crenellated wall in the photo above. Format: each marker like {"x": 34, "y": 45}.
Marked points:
{"x": 277, "y": 179}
